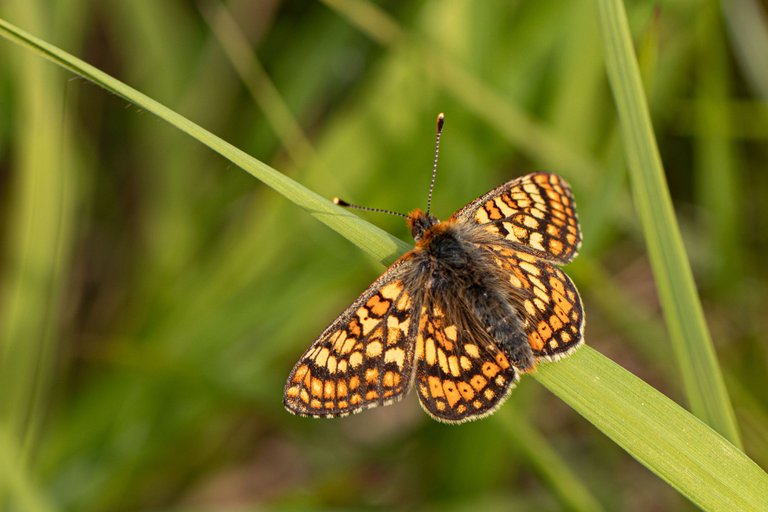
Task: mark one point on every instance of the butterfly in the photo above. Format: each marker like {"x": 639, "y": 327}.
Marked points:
{"x": 478, "y": 301}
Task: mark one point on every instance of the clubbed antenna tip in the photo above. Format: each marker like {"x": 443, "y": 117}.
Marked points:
{"x": 440, "y": 123}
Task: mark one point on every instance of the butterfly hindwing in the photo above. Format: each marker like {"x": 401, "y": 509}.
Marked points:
{"x": 549, "y": 302}
{"x": 461, "y": 374}
{"x": 363, "y": 359}
{"x": 536, "y": 211}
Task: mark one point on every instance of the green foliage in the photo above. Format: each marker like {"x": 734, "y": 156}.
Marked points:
{"x": 177, "y": 294}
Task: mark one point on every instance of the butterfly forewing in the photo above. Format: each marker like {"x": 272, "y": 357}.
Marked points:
{"x": 536, "y": 211}
{"x": 461, "y": 374}
{"x": 364, "y": 359}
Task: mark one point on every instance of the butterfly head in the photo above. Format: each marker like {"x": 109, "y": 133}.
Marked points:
{"x": 419, "y": 222}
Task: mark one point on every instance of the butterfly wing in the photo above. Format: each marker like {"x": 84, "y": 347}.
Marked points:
{"x": 460, "y": 373}
{"x": 553, "y": 316}
{"x": 536, "y": 211}
{"x": 362, "y": 360}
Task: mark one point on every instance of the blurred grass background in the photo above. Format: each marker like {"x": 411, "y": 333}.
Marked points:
{"x": 153, "y": 298}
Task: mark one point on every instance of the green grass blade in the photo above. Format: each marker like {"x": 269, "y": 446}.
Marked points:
{"x": 695, "y": 460}
{"x": 372, "y": 240}
{"x": 686, "y": 453}
{"x": 691, "y": 342}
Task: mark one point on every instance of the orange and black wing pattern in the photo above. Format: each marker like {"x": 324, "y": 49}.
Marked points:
{"x": 364, "y": 359}
{"x": 536, "y": 211}
{"x": 549, "y": 302}
{"x": 461, "y": 375}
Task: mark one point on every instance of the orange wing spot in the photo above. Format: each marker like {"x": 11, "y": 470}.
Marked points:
{"x": 530, "y": 268}
{"x": 341, "y": 387}
{"x": 481, "y": 216}
{"x": 478, "y": 382}
{"x": 500, "y": 380}
{"x": 440, "y": 404}
{"x": 392, "y": 290}
{"x": 315, "y": 404}
{"x": 519, "y": 233}
{"x": 490, "y": 369}
{"x": 329, "y": 404}
{"x": 354, "y": 328}
{"x": 477, "y": 404}
{"x": 442, "y": 361}
{"x": 443, "y": 341}
{"x": 544, "y": 330}
{"x": 322, "y": 357}
{"x": 570, "y": 238}
{"x": 343, "y": 404}
{"x": 565, "y": 337}
{"x": 472, "y": 350}
{"x": 560, "y": 314}
{"x": 431, "y": 353}
{"x": 356, "y": 359}
{"x": 435, "y": 387}
{"x": 451, "y": 393}
{"x": 535, "y": 341}
{"x": 536, "y": 240}
{"x": 540, "y": 304}
{"x": 301, "y": 371}
{"x": 292, "y": 392}
{"x": 489, "y": 394}
{"x": 555, "y": 322}
{"x": 524, "y": 283}
{"x": 466, "y": 391}
{"x": 373, "y": 349}
{"x": 371, "y": 375}
{"x": 395, "y": 355}
{"x": 355, "y": 399}
{"x": 389, "y": 379}
{"x": 461, "y": 409}
{"x": 556, "y": 247}
{"x": 540, "y": 294}
{"x": 506, "y": 211}
{"x": 346, "y": 348}
{"x": 304, "y": 396}
{"x": 354, "y": 382}
{"x": 329, "y": 390}
{"x": 343, "y": 365}
{"x": 388, "y": 393}
{"x": 553, "y": 231}
{"x": 491, "y": 210}
{"x": 372, "y": 395}
{"x": 560, "y": 301}
{"x": 529, "y": 307}
{"x": 556, "y": 284}
{"x": 377, "y": 306}
{"x": 317, "y": 387}
{"x": 465, "y": 363}
{"x": 502, "y": 360}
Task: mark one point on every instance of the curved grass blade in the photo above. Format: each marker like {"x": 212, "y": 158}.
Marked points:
{"x": 373, "y": 240}
{"x": 691, "y": 342}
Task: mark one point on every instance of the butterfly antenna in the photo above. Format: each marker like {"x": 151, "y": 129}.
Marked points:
{"x": 440, "y": 122}
{"x": 345, "y": 204}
